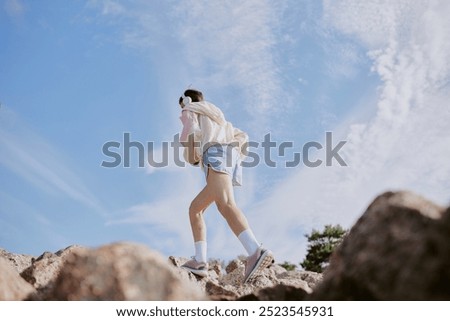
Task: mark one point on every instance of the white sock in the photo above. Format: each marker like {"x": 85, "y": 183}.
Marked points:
{"x": 249, "y": 241}
{"x": 200, "y": 251}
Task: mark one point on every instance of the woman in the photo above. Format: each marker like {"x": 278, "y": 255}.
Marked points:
{"x": 214, "y": 144}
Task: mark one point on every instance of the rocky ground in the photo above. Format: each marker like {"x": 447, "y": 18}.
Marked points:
{"x": 129, "y": 271}
{"x": 398, "y": 250}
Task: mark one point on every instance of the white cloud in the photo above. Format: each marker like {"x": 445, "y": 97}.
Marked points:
{"x": 233, "y": 44}
{"x": 167, "y": 216}
{"x": 29, "y": 156}
{"x": 142, "y": 25}
{"x": 374, "y": 23}
{"x": 225, "y": 46}
{"x": 218, "y": 45}
{"x": 405, "y": 146}
{"x": 166, "y": 157}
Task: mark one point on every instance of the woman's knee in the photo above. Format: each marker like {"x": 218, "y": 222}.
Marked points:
{"x": 196, "y": 209}
{"x": 193, "y": 209}
{"x": 226, "y": 207}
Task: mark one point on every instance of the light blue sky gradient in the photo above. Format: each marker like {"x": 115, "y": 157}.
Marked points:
{"x": 77, "y": 74}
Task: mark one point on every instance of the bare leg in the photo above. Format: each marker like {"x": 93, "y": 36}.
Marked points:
{"x": 196, "y": 210}
{"x": 221, "y": 187}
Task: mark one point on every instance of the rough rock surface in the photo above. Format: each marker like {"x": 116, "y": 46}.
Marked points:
{"x": 121, "y": 271}
{"x": 44, "y": 270}
{"x": 279, "y": 292}
{"x": 398, "y": 250}
{"x": 12, "y": 286}
{"x": 228, "y": 285}
{"x": 18, "y": 261}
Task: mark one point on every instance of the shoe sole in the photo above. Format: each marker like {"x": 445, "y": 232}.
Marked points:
{"x": 196, "y": 272}
{"x": 264, "y": 261}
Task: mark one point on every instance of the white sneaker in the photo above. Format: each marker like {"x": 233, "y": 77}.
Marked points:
{"x": 257, "y": 262}
{"x": 198, "y": 268}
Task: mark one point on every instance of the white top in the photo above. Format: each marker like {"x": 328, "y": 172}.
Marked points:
{"x": 208, "y": 125}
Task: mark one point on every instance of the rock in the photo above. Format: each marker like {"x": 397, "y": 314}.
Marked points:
{"x": 279, "y": 292}
{"x": 269, "y": 278}
{"x": 177, "y": 261}
{"x": 311, "y": 278}
{"x": 229, "y": 286}
{"x": 398, "y": 250}
{"x": 12, "y": 286}
{"x": 215, "y": 266}
{"x": 44, "y": 270}
{"x": 219, "y": 292}
{"x": 126, "y": 271}
{"x": 304, "y": 279}
{"x": 235, "y": 277}
{"x": 121, "y": 271}
{"x": 233, "y": 265}
{"x": 19, "y": 262}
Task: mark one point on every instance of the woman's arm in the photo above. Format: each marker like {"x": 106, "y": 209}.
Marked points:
{"x": 187, "y": 120}
{"x": 190, "y": 125}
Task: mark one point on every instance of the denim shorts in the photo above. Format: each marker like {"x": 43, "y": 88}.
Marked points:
{"x": 224, "y": 159}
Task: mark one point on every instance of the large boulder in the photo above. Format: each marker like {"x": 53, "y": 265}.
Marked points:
{"x": 12, "y": 286}
{"x": 19, "y": 262}
{"x": 398, "y": 250}
{"x": 44, "y": 270}
{"x": 121, "y": 271}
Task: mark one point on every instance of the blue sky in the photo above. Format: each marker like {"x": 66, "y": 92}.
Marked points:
{"x": 77, "y": 74}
